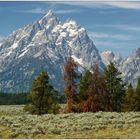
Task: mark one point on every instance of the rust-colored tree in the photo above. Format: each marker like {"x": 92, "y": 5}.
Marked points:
{"x": 96, "y": 93}
{"x": 70, "y": 77}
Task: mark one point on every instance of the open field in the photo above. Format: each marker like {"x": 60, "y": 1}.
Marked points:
{"x": 14, "y": 123}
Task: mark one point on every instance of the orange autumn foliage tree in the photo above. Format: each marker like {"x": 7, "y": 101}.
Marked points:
{"x": 70, "y": 90}
{"x": 96, "y": 93}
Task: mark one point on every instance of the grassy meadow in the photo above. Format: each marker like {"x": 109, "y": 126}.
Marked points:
{"x": 15, "y": 123}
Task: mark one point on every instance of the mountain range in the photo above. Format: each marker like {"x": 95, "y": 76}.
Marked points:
{"x": 129, "y": 66}
{"x": 45, "y": 44}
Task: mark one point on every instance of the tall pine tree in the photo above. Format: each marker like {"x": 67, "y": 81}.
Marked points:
{"x": 138, "y": 86}
{"x": 84, "y": 84}
{"x": 42, "y": 96}
{"x": 130, "y": 100}
{"x": 115, "y": 87}
{"x": 138, "y": 92}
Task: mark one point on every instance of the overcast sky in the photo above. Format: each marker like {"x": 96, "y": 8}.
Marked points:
{"x": 111, "y": 25}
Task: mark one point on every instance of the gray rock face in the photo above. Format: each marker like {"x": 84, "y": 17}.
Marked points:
{"x": 44, "y": 45}
{"x": 129, "y": 67}
{"x": 107, "y": 56}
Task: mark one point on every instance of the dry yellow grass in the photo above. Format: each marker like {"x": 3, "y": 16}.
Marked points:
{"x": 15, "y": 123}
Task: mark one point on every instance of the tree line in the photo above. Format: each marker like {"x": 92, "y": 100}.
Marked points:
{"x": 13, "y": 98}
{"x": 93, "y": 91}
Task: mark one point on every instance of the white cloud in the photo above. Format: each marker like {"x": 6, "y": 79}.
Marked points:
{"x": 44, "y": 11}
{"x": 34, "y": 11}
{"x": 105, "y": 43}
{"x": 120, "y": 37}
{"x": 127, "y": 27}
{"x": 83, "y": 4}
{"x": 119, "y": 26}
{"x": 67, "y": 11}
{"x": 116, "y": 42}
{"x": 106, "y": 4}
{"x": 125, "y": 5}
{"x": 113, "y": 45}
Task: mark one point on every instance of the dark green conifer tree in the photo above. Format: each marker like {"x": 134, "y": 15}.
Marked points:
{"x": 42, "y": 96}
{"x": 130, "y": 100}
{"x": 138, "y": 92}
{"x": 138, "y": 86}
{"x": 84, "y": 84}
{"x": 115, "y": 87}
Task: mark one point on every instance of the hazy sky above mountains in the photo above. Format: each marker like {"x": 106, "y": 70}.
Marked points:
{"x": 112, "y": 25}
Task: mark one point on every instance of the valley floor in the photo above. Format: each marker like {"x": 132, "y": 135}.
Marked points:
{"x": 15, "y": 123}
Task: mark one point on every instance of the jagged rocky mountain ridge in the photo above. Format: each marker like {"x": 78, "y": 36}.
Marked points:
{"x": 44, "y": 45}
{"x": 108, "y": 56}
{"x": 129, "y": 66}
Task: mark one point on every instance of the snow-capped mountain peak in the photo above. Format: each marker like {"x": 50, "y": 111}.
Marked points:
{"x": 135, "y": 53}
{"x": 107, "y": 56}
{"x": 130, "y": 67}
{"x": 49, "y": 14}
{"x": 50, "y": 19}
{"x": 44, "y": 45}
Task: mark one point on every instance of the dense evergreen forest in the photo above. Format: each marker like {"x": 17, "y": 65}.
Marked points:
{"x": 22, "y": 98}
{"x": 13, "y": 98}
